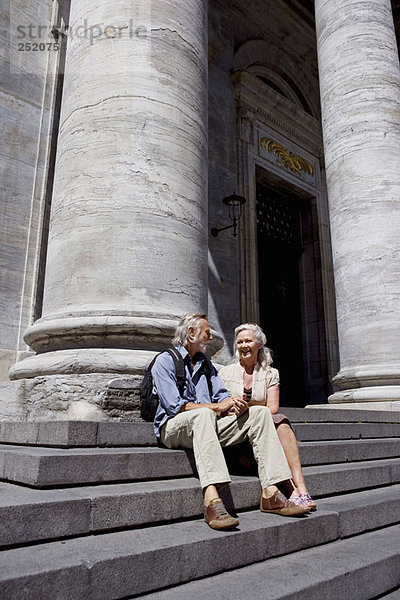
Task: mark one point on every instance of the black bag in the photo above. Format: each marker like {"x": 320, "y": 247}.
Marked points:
{"x": 148, "y": 400}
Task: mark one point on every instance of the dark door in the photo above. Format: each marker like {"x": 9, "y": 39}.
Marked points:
{"x": 279, "y": 253}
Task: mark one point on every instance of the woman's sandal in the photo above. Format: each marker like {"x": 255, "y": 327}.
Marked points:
{"x": 304, "y": 499}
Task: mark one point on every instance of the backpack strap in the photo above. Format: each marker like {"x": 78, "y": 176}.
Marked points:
{"x": 179, "y": 369}
{"x": 207, "y": 373}
{"x": 181, "y": 374}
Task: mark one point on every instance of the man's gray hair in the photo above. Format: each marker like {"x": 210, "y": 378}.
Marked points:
{"x": 181, "y": 332}
{"x": 264, "y": 353}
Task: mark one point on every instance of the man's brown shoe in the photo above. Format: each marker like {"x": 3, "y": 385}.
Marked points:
{"x": 282, "y": 506}
{"x": 217, "y": 517}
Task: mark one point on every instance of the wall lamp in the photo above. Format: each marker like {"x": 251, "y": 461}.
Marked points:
{"x": 235, "y": 205}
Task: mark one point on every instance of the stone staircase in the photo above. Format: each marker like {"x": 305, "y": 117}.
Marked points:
{"x": 96, "y": 511}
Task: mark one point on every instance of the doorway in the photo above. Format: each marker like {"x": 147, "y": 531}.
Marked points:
{"x": 291, "y": 314}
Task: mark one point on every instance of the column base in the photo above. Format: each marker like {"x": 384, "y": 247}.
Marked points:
{"x": 85, "y": 397}
{"x": 378, "y": 405}
{"x": 92, "y": 384}
{"x": 74, "y": 385}
{"x": 83, "y": 361}
{"x": 368, "y": 398}
{"x": 368, "y": 385}
{"x": 100, "y": 331}
{"x": 91, "y": 360}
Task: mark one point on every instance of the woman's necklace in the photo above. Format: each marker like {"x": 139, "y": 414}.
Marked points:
{"x": 247, "y": 380}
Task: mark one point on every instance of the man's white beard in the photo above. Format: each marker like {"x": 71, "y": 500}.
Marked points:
{"x": 203, "y": 347}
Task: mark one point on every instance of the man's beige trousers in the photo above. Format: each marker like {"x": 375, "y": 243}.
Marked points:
{"x": 201, "y": 430}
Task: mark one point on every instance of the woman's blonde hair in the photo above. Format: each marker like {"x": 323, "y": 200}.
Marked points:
{"x": 181, "y": 332}
{"x": 264, "y": 353}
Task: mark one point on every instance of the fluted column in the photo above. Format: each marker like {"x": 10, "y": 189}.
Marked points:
{"x": 127, "y": 251}
{"x": 360, "y": 94}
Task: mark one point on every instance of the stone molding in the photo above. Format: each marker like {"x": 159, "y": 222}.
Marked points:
{"x": 132, "y": 359}
{"x": 99, "y": 331}
{"x": 268, "y": 55}
{"x": 368, "y": 376}
{"x": 257, "y": 98}
{"x": 378, "y": 394}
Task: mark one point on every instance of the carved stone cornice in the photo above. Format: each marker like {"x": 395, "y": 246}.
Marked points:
{"x": 271, "y": 108}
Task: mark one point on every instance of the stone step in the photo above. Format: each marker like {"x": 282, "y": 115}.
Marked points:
{"x": 393, "y": 595}
{"x": 360, "y": 568}
{"x": 325, "y": 480}
{"x": 41, "y": 467}
{"x": 325, "y": 452}
{"x": 127, "y": 563}
{"x": 307, "y": 432}
{"x": 70, "y": 434}
{"x": 29, "y": 515}
{"x": 323, "y": 414}
{"x": 309, "y": 424}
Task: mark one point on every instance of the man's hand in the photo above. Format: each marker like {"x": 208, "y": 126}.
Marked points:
{"x": 222, "y": 408}
{"x": 229, "y": 406}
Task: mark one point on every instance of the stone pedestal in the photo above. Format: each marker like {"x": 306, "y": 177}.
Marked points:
{"x": 360, "y": 92}
{"x": 127, "y": 252}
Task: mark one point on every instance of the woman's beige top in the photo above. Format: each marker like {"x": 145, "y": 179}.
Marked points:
{"x": 263, "y": 379}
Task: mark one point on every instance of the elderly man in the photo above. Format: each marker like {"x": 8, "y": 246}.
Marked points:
{"x": 205, "y": 418}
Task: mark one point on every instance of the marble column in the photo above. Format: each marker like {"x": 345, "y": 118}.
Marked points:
{"x": 360, "y": 95}
{"x": 127, "y": 251}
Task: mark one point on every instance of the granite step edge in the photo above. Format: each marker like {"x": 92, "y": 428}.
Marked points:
{"x": 32, "y": 515}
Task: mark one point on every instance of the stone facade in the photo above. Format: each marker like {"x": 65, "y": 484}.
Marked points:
{"x": 118, "y": 146}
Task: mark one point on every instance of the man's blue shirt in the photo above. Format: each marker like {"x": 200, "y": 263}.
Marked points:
{"x": 195, "y": 389}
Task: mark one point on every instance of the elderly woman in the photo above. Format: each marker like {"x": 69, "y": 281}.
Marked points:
{"x": 252, "y": 377}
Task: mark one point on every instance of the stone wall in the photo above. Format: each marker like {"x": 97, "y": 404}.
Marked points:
{"x": 27, "y": 80}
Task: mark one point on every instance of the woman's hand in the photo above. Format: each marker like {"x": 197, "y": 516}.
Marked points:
{"x": 239, "y": 406}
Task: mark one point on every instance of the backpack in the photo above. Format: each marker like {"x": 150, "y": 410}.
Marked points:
{"x": 149, "y": 401}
